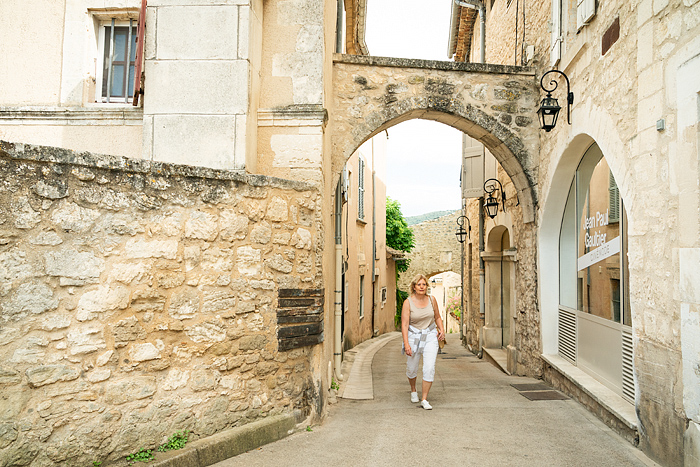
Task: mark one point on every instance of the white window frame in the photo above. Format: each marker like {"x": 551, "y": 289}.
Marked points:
{"x": 103, "y": 22}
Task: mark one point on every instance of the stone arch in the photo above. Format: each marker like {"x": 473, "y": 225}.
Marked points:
{"x": 493, "y": 104}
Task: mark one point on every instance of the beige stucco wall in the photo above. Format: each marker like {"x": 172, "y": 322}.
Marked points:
{"x": 358, "y": 247}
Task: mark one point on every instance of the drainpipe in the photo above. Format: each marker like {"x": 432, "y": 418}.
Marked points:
{"x": 337, "y": 344}
{"x": 339, "y": 29}
{"x": 482, "y": 276}
{"x": 474, "y": 5}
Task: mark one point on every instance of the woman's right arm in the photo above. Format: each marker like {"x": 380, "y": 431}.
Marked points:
{"x": 405, "y": 319}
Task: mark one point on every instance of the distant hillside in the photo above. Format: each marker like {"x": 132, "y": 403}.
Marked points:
{"x": 413, "y": 220}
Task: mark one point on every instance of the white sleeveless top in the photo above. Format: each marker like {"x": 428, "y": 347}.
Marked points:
{"x": 421, "y": 318}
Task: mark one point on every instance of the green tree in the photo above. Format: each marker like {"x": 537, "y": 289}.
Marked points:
{"x": 399, "y": 235}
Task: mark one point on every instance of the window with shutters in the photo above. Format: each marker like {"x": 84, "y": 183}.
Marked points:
{"x": 614, "y": 194}
{"x": 361, "y": 188}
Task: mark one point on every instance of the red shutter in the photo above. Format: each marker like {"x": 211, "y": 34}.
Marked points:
{"x": 139, "y": 53}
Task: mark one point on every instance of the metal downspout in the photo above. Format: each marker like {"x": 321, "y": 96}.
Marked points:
{"x": 339, "y": 28}
{"x": 482, "y": 275}
{"x": 337, "y": 343}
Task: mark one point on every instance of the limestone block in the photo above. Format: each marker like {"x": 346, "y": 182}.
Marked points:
{"x": 184, "y": 303}
{"x": 278, "y": 263}
{"x": 14, "y": 265}
{"x": 197, "y": 87}
{"x": 73, "y": 218}
{"x": 147, "y": 300}
{"x": 103, "y": 359}
{"x": 176, "y": 379}
{"x": 127, "y": 272}
{"x": 689, "y": 259}
{"x": 255, "y": 342}
{"x": 127, "y": 330}
{"x": 151, "y": 249}
{"x": 55, "y": 322}
{"x": 49, "y": 238}
{"x": 144, "y": 352}
{"x": 264, "y": 284}
{"x": 73, "y": 264}
{"x": 134, "y": 388}
{"x": 9, "y": 376}
{"x": 212, "y": 136}
{"x": 84, "y": 340}
{"x": 296, "y": 150}
{"x": 212, "y": 32}
{"x": 248, "y": 260}
{"x": 217, "y": 260}
{"x": 102, "y": 299}
{"x": 168, "y": 224}
{"x": 645, "y": 46}
{"x": 281, "y": 238}
{"x": 169, "y": 279}
{"x": 204, "y": 380}
{"x": 277, "y": 210}
{"x": 28, "y": 355}
{"x": 202, "y": 225}
{"x": 302, "y": 239}
{"x": 216, "y": 301}
{"x": 49, "y": 374}
{"x": 29, "y": 297}
{"x": 25, "y": 216}
{"x": 208, "y": 332}
{"x": 8, "y": 433}
{"x": 233, "y": 226}
{"x": 99, "y": 375}
{"x": 53, "y": 189}
{"x": 261, "y": 233}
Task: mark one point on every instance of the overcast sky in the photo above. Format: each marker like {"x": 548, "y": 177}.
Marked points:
{"x": 423, "y": 160}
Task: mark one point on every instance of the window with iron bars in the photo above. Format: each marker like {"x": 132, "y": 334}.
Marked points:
{"x": 118, "y": 56}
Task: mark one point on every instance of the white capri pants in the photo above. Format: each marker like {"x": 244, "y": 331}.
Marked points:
{"x": 429, "y": 352}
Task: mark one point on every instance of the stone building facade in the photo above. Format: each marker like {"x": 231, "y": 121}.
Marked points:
{"x": 633, "y": 69}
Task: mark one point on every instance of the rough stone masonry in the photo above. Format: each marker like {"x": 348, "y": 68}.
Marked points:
{"x": 138, "y": 299}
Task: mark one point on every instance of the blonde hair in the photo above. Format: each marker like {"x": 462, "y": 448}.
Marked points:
{"x": 417, "y": 279}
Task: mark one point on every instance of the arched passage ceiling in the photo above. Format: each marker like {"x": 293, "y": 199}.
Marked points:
{"x": 495, "y": 104}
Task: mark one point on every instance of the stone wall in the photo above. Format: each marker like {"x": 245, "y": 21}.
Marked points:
{"x": 138, "y": 299}
{"x": 437, "y": 249}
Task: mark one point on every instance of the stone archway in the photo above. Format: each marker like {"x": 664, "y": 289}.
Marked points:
{"x": 494, "y": 104}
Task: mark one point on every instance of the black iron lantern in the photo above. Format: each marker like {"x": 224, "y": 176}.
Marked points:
{"x": 549, "y": 108}
{"x": 491, "y": 204}
{"x": 461, "y": 233}
{"x": 548, "y": 112}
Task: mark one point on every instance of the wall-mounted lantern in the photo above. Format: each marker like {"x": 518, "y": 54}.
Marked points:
{"x": 491, "y": 186}
{"x": 549, "y": 108}
{"x": 461, "y": 233}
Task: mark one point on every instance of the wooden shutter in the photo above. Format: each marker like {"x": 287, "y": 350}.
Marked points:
{"x": 139, "y": 53}
{"x": 472, "y": 168}
{"x": 555, "y": 51}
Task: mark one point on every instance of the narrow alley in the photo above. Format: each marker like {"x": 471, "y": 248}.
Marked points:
{"x": 389, "y": 430}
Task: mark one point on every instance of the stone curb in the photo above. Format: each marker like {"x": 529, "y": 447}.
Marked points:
{"x": 229, "y": 443}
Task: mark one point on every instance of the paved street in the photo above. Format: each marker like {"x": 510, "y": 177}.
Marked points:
{"x": 478, "y": 419}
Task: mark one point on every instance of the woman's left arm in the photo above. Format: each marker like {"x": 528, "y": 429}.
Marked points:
{"x": 438, "y": 319}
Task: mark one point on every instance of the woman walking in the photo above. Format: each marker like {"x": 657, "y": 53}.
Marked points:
{"x": 422, "y": 328}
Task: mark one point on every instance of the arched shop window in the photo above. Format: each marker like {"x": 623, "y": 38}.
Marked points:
{"x": 592, "y": 244}
{"x": 594, "y": 317}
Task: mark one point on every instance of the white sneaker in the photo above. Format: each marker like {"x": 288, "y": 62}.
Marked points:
{"x": 414, "y": 397}
{"x": 426, "y": 405}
